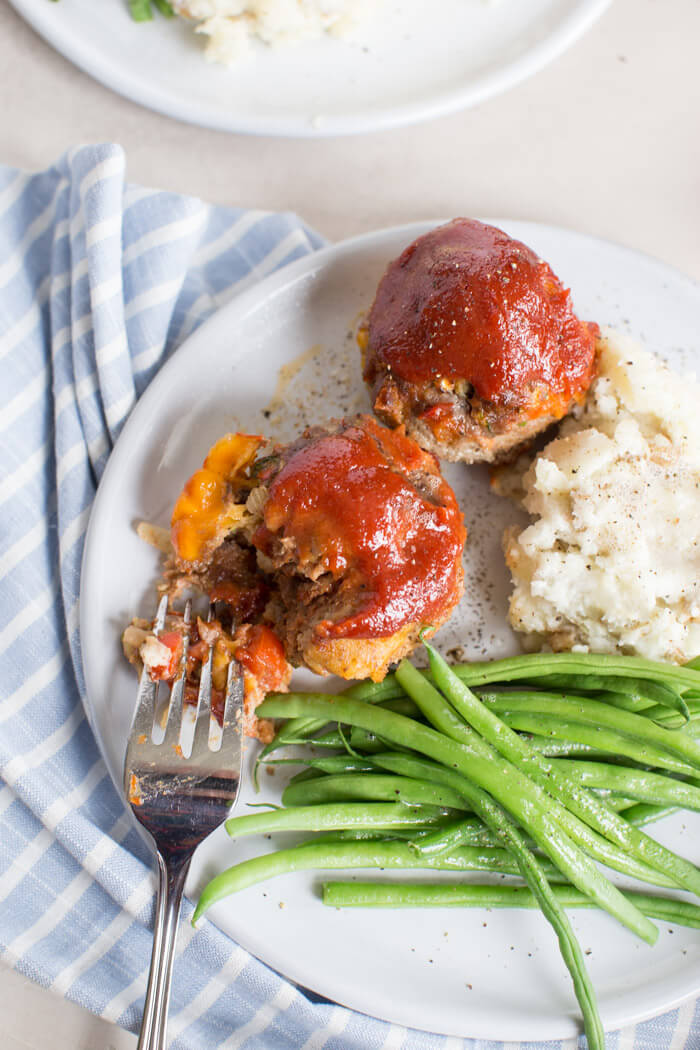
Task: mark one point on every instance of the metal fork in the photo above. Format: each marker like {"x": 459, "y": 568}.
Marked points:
{"x": 179, "y": 800}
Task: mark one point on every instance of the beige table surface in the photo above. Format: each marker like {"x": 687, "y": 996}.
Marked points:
{"x": 606, "y": 140}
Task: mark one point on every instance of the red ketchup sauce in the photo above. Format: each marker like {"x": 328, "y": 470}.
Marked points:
{"x": 262, "y": 654}
{"x": 466, "y": 301}
{"x": 345, "y": 501}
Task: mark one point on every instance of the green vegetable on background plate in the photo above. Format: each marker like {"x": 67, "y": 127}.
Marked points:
{"x": 142, "y": 11}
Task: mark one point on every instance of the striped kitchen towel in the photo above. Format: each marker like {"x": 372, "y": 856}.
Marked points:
{"x": 99, "y": 282}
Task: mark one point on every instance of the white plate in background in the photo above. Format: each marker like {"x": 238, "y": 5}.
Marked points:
{"x": 491, "y": 975}
{"x": 416, "y": 60}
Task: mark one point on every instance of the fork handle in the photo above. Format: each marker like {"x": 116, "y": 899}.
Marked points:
{"x": 171, "y": 883}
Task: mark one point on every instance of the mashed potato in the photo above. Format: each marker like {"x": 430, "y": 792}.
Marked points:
{"x": 231, "y": 25}
{"x": 611, "y": 562}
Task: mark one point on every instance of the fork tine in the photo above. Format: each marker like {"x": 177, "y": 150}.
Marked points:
{"x": 148, "y": 690}
{"x": 229, "y": 752}
{"x": 159, "y": 622}
{"x": 142, "y": 724}
{"x": 200, "y": 741}
{"x": 233, "y": 707}
{"x": 173, "y": 725}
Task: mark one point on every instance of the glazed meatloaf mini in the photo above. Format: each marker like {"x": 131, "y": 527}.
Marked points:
{"x": 472, "y": 344}
{"x": 361, "y": 539}
{"x": 343, "y": 546}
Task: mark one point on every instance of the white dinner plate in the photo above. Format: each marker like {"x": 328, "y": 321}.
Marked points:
{"x": 467, "y": 973}
{"x": 414, "y": 61}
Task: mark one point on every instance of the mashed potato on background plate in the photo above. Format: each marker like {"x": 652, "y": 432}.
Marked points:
{"x": 231, "y": 25}
{"x": 611, "y": 562}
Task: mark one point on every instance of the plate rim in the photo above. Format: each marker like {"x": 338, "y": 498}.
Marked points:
{"x": 241, "y": 305}
{"x": 111, "y": 74}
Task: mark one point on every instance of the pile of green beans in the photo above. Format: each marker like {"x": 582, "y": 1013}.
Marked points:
{"x": 535, "y": 767}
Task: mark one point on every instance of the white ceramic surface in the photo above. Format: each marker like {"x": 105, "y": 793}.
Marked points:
{"x": 489, "y": 975}
{"x": 405, "y": 66}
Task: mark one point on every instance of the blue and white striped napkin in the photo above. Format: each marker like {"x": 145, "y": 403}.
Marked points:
{"x": 99, "y": 282}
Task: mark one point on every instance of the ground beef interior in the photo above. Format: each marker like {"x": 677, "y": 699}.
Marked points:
{"x": 456, "y": 426}
{"x": 299, "y": 604}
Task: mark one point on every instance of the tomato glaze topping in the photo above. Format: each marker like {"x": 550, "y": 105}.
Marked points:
{"x": 466, "y": 301}
{"x": 367, "y": 505}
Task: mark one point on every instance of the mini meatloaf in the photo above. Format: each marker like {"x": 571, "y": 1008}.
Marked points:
{"x": 345, "y": 544}
{"x": 472, "y": 344}
{"x": 361, "y": 540}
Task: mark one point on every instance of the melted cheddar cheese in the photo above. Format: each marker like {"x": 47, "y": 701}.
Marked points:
{"x": 205, "y": 511}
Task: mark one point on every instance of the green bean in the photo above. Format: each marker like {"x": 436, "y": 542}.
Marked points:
{"x": 374, "y": 786}
{"x": 567, "y": 788}
{"x": 508, "y": 786}
{"x": 533, "y": 872}
{"x": 640, "y": 691}
{"x": 627, "y": 703}
{"x": 412, "y": 834}
{"x": 544, "y": 685}
{"x": 373, "y": 692}
{"x": 579, "y": 805}
{"x": 293, "y": 732}
{"x": 335, "y": 815}
{"x": 331, "y": 764}
{"x": 583, "y": 836}
{"x": 469, "y": 831}
{"x": 476, "y": 895}
{"x": 363, "y": 740}
{"x": 536, "y": 666}
{"x": 674, "y": 716}
{"x": 304, "y": 774}
{"x": 641, "y": 785}
{"x": 672, "y": 720}
{"x": 534, "y": 875}
{"x": 301, "y": 728}
{"x": 646, "y": 813}
{"x": 617, "y": 802}
{"x": 317, "y": 768}
{"x": 530, "y": 666}
{"x": 338, "y": 855}
{"x": 403, "y": 705}
{"x": 444, "y": 718}
{"x": 454, "y": 833}
{"x": 597, "y": 737}
{"x": 554, "y": 748}
{"x": 342, "y": 731}
{"x": 572, "y": 670}
{"x": 592, "y": 712}
{"x": 332, "y": 740}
